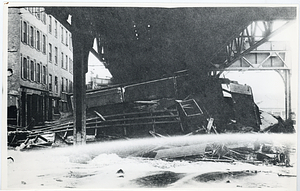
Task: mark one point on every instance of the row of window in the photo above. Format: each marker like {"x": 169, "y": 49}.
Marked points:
{"x": 65, "y": 61}
{"x": 66, "y": 85}
{"x": 37, "y": 72}
{"x": 33, "y": 37}
{"x": 66, "y": 37}
{"x": 33, "y": 70}
{"x": 37, "y": 40}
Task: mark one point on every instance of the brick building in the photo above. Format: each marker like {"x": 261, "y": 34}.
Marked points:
{"x": 40, "y": 60}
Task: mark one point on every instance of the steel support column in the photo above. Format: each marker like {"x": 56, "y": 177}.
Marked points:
{"x": 82, "y": 41}
{"x": 79, "y": 132}
{"x": 287, "y": 90}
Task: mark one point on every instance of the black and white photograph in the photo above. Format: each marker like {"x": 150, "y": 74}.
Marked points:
{"x": 149, "y": 96}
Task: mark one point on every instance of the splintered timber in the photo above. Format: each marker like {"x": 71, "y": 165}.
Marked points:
{"x": 173, "y": 106}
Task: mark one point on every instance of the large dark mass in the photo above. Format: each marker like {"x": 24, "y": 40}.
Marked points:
{"x": 143, "y": 43}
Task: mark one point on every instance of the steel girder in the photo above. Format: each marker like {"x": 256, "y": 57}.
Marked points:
{"x": 254, "y": 35}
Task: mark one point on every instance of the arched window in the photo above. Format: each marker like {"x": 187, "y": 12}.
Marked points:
{"x": 44, "y": 44}
{"x": 38, "y": 40}
{"x": 62, "y": 84}
{"x": 50, "y": 24}
{"x": 24, "y": 68}
{"x": 66, "y": 66}
{"x": 55, "y": 29}
{"x": 38, "y": 72}
{"x": 31, "y": 39}
{"x": 55, "y": 55}
{"x": 50, "y": 52}
{"x": 56, "y": 84}
{"x": 24, "y": 32}
{"x": 32, "y": 71}
{"x": 50, "y": 82}
{"x": 44, "y": 74}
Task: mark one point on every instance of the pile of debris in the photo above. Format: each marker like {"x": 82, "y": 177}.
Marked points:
{"x": 257, "y": 153}
{"x": 178, "y": 105}
{"x": 275, "y": 124}
{"x": 60, "y": 133}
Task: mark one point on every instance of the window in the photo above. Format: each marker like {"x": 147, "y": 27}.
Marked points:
{"x": 56, "y": 84}
{"x": 67, "y": 38}
{"x": 38, "y": 40}
{"x": 55, "y": 29}
{"x": 50, "y": 24}
{"x": 44, "y": 44}
{"x": 24, "y": 32}
{"x": 34, "y": 38}
{"x": 62, "y": 84}
{"x": 67, "y": 84}
{"x": 32, "y": 71}
{"x": 38, "y": 72}
{"x": 24, "y": 68}
{"x": 31, "y": 40}
{"x": 69, "y": 63}
{"x": 55, "y": 55}
{"x": 70, "y": 42}
{"x": 50, "y": 82}
{"x": 50, "y": 52}
{"x": 66, "y": 66}
{"x": 71, "y": 87}
{"x": 71, "y": 66}
{"x": 62, "y": 59}
{"x": 62, "y": 34}
{"x": 44, "y": 75}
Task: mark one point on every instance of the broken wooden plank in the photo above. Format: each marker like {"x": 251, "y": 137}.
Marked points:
{"x": 99, "y": 115}
{"x": 154, "y": 134}
{"x": 60, "y": 139}
{"x": 209, "y": 124}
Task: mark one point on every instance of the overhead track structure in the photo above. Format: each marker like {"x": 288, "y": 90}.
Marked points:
{"x": 251, "y": 51}
{"x": 144, "y": 43}
{"x": 249, "y": 39}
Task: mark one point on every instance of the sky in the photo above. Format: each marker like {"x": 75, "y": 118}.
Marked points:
{"x": 95, "y": 67}
{"x": 267, "y": 87}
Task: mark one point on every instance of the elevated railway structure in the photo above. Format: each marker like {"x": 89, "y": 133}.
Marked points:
{"x": 270, "y": 56}
{"x": 144, "y": 43}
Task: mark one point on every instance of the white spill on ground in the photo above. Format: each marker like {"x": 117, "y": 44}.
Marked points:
{"x": 97, "y": 166}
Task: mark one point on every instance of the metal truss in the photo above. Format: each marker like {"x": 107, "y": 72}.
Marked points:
{"x": 249, "y": 39}
{"x": 250, "y": 50}
{"x": 270, "y": 56}
{"x": 99, "y": 54}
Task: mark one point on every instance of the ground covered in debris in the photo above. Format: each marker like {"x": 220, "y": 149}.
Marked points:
{"x": 160, "y": 163}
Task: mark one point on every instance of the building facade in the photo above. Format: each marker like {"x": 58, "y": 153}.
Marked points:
{"x": 40, "y": 62}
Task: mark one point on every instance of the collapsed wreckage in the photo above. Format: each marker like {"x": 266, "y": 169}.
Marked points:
{"x": 177, "y": 105}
